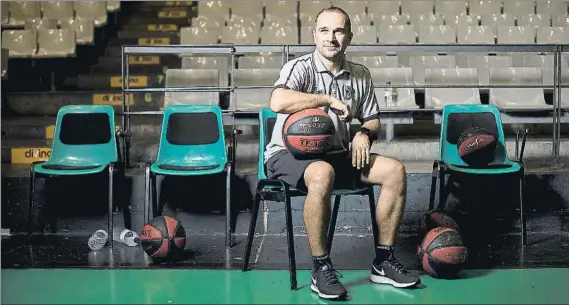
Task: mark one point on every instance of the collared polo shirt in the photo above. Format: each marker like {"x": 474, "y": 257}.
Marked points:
{"x": 352, "y": 85}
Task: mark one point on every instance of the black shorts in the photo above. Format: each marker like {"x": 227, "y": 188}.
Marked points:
{"x": 285, "y": 167}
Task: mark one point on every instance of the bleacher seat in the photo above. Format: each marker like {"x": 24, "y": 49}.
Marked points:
{"x": 484, "y": 7}
{"x": 450, "y": 7}
{"x": 552, "y": 35}
{"x": 496, "y": 20}
{"x": 208, "y": 22}
{"x": 551, "y": 7}
{"x": 36, "y": 24}
{"x": 372, "y": 62}
{"x": 96, "y": 11}
{"x": 352, "y": 7}
{"x": 279, "y": 35}
{"x": 483, "y": 34}
{"x": 517, "y": 98}
{"x": 420, "y": 63}
{"x": 364, "y": 34}
{"x": 462, "y": 20}
{"x": 56, "y": 43}
{"x": 260, "y": 62}
{"x": 516, "y": 7}
{"x": 560, "y": 20}
{"x": 20, "y": 11}
{"x": 483, "y": 63}
{"x": 240, "y": 34}
{"x": 58, "y": 10}
{"x": 437, "y": 34}
{"x": 396, "y": 34}
{"x": 4, "y": 12}
{"x": 361, "y": 19}
{"x": 383, "y": 7}
{"x": 183, "y": 78}
{"x": 221, "y": 63}
{"x": 416, "y": 7}
{"x": 386, "y": 20}
{"x": 279, "y": 12}
{"x": 249, "y": 9}
{"x": 399, "y": 76}
{"x": 20, "y": 43}
{"x": 534, "y": 20}
{"x": 200, "y": 35}
{"x": 214, "y": 10}
{"x": 437, "y": 98}
{"x": 253, "y": 98}
{"x": 308, "y": 10}
{"x": 84, "y": 30}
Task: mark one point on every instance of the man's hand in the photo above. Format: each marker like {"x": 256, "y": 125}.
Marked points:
{"x": 341, "y": 109}
{"x": 360, "y": 150}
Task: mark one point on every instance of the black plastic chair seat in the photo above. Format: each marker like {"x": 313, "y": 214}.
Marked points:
{"x": 188, "y": 168}
{"x": 68, "y": 167}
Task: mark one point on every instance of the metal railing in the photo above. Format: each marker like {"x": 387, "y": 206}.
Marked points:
{"x": 286, "y": 50}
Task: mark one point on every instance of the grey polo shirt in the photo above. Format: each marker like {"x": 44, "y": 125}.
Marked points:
{"x": 352, "y": 85}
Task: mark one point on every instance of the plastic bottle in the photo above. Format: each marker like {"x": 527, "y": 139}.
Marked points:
{"x": 127, "y": 237}
{"x": 98, "y": 240}
{"x": 388, "y": 94}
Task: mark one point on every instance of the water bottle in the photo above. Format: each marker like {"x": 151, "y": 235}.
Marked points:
{"x": 127, "y": 237}
{"x": 98, "y": 240}
{"x": 388, "y": 94}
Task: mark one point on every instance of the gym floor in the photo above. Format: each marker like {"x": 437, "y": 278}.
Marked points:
{"x": 60, "y": 269}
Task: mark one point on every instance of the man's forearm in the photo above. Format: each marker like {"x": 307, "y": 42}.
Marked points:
{"x": 291, "y": 101}
{"x": 374, "y": 126}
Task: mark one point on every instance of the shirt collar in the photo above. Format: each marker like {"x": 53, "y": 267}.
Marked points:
{"x": 320, "y": 68}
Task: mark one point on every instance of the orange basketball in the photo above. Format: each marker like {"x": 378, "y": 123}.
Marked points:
{"x": 308, "y": 133}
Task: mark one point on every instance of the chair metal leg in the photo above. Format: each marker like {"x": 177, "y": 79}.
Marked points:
{"x": 442, "y": 187}
{"x": 522, "y": 209}
{"x": 154, "y": 193}
{"x": 252, "y": 225}
{"x": 228, "y": 218}
{"x": 373, "y": 213}
{"x": 435, "y": 174}
{"x": 147, "y": 194}
{"x": 110, "y": 217}
{"x": 31, "y": 200}
{"x": 332, "y": 224}
{"x": 290, "y": 241}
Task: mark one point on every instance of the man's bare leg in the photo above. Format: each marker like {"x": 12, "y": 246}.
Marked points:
{"x": 319, "y": 179}
{"x": 391, "y": 175}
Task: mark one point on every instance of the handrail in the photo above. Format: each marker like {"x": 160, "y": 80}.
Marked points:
{"x": 238, "y": 49}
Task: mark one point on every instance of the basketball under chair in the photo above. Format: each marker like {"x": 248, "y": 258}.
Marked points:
{"x": 277, "y": 190}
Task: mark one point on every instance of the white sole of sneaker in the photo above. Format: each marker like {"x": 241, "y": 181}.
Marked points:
{"x": 324, "y": 296}
{"x": 384, "y": 280}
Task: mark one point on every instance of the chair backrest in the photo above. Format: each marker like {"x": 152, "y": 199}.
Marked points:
{"x": 457, "y": 118}
{"x": 84, "y": 135}
{"x": 192, "y": 135}
{"x": 267, "y": 119}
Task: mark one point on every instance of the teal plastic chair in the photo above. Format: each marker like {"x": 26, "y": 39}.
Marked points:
{"x": 192, "y": 143}
{"x": 456, "y": 119}
{"x": 277, "y": 190}
{"x": 84, "y": 143}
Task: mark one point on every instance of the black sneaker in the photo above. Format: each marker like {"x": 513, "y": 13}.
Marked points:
{"x": 394, "y": 273}
{"x": 325, "y": 282}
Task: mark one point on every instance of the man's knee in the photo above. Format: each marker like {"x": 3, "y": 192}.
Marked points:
{"x": 319, "y": 177}
{"x": 387, "y": 172}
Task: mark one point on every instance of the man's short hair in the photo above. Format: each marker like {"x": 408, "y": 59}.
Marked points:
{"x": 347, "y": 22}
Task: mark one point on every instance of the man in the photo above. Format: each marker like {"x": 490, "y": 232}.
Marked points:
{"x": 324, "y": 79}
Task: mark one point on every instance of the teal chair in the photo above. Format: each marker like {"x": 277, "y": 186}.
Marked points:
{"x": 456, "y": 119}
{"x": 277, "y": 190}
{"x": 192, "y": 143}
{"x": 84, "y": 143}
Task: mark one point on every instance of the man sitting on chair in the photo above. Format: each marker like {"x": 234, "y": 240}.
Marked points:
{"x": 325, "y": 79}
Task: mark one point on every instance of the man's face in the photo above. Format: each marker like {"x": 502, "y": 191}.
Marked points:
{"x": 330, "y": 35}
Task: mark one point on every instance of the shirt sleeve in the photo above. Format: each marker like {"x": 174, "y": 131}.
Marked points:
{"x": 369, "y": 108}
{"x": 294, "y": 76}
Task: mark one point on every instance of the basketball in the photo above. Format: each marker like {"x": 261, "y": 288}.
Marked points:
{"x": 442, "y": 253}
{"x": 434, "y": 219}
{"x": 162, "y": 237}
{"x": 308, "y": 133}
{"x": 477, "y": 146}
